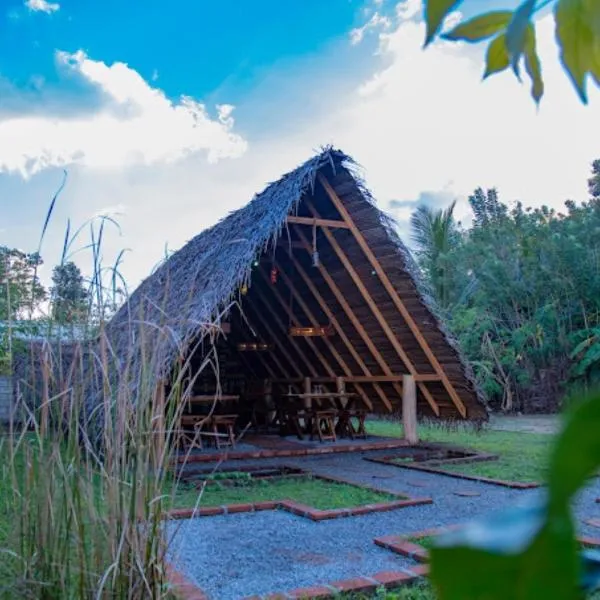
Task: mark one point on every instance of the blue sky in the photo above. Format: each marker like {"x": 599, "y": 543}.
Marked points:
{"x": 169, "y": 114}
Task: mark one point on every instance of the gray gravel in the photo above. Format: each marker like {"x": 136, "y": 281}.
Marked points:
{"x": 244, "y": 554}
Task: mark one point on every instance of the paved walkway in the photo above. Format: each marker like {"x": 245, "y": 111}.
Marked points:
{"x": 239, "y": 555}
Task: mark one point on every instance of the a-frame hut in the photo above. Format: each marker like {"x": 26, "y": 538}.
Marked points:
{"x": 308, "y": 280}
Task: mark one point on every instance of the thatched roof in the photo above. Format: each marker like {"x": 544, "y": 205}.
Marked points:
{"x": 175, "y": 306}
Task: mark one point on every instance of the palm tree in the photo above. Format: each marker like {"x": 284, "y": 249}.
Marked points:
{"x": 435, "y": 234}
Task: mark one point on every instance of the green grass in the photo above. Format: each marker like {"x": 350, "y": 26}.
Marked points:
{"x": 418, "y": 591}
{"x": 522, "y": 456}
{"x": 317, "y": 493}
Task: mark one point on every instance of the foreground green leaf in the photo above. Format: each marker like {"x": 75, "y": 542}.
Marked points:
{"x": 518, "y": 553}
{"x": 480, "y": 27}
{"x": 516, "y": 33}
{"x": 533, "y": 66}
{"x": 576, "y": 456}
{"x": 435, "y": 13}
{"x": 578, "y": 38}
{"x": 496, "y": 57}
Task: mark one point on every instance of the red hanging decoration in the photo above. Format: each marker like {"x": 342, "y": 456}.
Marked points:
{"x": 274, "y": 275}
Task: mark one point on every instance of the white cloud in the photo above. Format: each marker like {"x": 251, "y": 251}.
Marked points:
{"x": 376, "y": 22}
{"x": 42, "y": 6}
{"x": 424, "y": 120}
{"x": 137, "y": 124}
{"x": 418, "y": 121}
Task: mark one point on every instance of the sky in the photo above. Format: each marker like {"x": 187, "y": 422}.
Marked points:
{"x": 165, "y": 116}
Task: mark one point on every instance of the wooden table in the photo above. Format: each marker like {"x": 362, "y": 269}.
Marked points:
{"x": 321, "y": 421}
{"x": 198, "y": 421}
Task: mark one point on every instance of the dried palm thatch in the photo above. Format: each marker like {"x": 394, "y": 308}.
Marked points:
{"x": 183, "y": 301}
{"x": 179, "y": 307}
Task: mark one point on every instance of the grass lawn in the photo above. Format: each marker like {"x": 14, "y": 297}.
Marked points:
{"x": 317, "y": 493}
{"x": 418, "y": 591}
{"x": 523, "y": 456}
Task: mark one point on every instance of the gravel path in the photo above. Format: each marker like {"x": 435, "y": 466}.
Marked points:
{"x": 244, "y": 554}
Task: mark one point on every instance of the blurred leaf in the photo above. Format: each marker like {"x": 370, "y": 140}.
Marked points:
{"x": 516, "y": 33}
{"x": 576, "y": 23}
{"x": 519, "y": 553}
{"x": 576, "y": 456}
{"x": 496, "y": 58}
{"x": 480, "y": 27}
{"x": 435, "y": 13}
{"x": 533, "y": 66}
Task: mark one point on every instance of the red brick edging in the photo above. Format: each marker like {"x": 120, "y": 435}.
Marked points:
{"x": 182, "y": 587}
{"x": 360, "y": 447}
{"x": 519, "y": 485}
{"x": 303, "y": 510}
{"x": 295, "y": 508}
{"x": 406, "y": 546}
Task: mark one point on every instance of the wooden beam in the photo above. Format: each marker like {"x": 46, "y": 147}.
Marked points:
{"x": 317, "y": 221}
{"x": 339, "y": 205}
{"x": 293, "y": 318}
{"x": 277, "y": 341}
{"x": 275, "y": 318}
{"x": 338, "y": 328}
{"x": 341, "y": 362}
{"x": 261, "y": 358}
{"x": 362, "y": 379}
{"x": 355, "y": 322}
{"x": 377, "y": 313}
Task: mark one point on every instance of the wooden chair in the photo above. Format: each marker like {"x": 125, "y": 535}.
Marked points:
{"x": 226, "y": 422}
{"x": 289, "y": 416}
{"x": 191, "y": 431}
{"x": 323, "y": 425}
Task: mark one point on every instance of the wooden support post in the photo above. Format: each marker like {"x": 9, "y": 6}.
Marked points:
{"x": 409, "y": 409}
{"x": 308, "y": 392}
{"x": 340, "y": 385}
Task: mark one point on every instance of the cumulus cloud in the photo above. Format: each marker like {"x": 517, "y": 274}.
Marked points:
{"x": 376, "y": 22}
{"x": 423, "y": 125}
{"x": 136, "y": 124}
{"x": 424, "y": 120}
{"x": 42, "y": 6}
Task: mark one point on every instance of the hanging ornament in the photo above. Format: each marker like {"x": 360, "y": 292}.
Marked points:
{"x": 274, "y": 275}
{"x": 244, "y": 289}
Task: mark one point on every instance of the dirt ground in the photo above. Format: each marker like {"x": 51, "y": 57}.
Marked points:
{"x": 526, "y": 423}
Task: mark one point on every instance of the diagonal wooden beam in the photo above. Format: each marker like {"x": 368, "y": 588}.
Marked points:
{"x": 294, "y": 319}
{"x": 262, "y": 359}
{"x": 339, "y": 205}
{"x": 379, "y": 316}
{"x": 277, "y": 341}
{"x": 338, "y": 328}
{"x": 315, "y": 323}
{"x": 353, "y": 319}
{"x": 275, "y": 318}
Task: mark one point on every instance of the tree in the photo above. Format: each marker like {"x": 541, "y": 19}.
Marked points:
{"x": 435, "y": 234}
{"x": 68, "y": 293}
{"x": 21, "y": 291}
{"x": 513, "y": 38}
{"x": 594, "y": 181}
